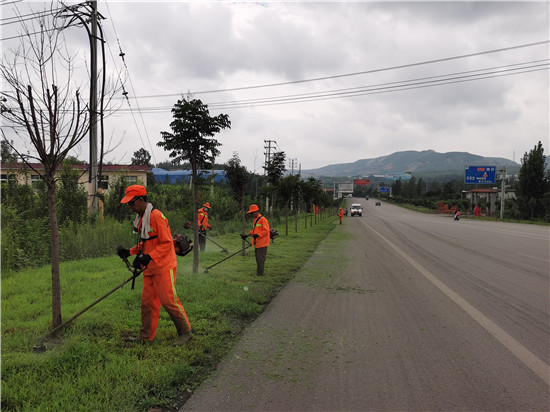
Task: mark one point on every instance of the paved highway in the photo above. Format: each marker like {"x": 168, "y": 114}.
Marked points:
{"x": 399, "y": 310}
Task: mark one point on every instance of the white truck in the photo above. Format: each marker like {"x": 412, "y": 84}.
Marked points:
{"x": 356, "y": 209}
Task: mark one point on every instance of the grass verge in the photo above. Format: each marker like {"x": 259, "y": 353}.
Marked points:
{"x": 91, "y": 367}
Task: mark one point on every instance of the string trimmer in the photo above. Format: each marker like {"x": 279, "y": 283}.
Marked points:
{"x": 41, "y": 347}
{"x": 224, "y": 259}
{"x": 220, "y": 246}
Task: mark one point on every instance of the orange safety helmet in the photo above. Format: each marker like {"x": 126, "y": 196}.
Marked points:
{"x": 207, "y": 205}
{"x": 253, "y": 208}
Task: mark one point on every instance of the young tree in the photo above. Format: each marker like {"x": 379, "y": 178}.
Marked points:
{"x": 533, "y": 182}
{"x": 289, "y": 191}
{"x": 238, "y": 178}
{"x": 43, "y": 104}
{"x": 141, "y": 157}
{"x": 190, "y": 140}
{"x": 274, "y": 173}
{"x": 8, "y": 155}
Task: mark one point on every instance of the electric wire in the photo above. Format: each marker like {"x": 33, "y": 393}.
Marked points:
{"x": 357, "y": 73}
{"x": 374, "y": 89}
{"x": 122, "y": 54}
{"x": 25, "y": 17}
{"x": 362, "y": 88}
{"x": 11, "y": 2}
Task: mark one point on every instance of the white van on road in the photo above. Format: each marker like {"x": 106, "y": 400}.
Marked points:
{"x": 356, "y": 209}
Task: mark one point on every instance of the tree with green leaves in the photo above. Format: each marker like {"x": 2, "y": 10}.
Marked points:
{"x": 289, "y": 192}
{"x": 191, "y": 140}
{"x": 72, "y": 198}
{"x": 8, "y": 154}
{"x": 142, "y": 157}
{"x": 533, "y": 183}
{"x": 238, "y": 177}
{"x": 274, "y": 170}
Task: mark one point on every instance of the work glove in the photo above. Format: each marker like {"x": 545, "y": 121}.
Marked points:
{"x": 244, "y": 236}
{"x": 123, "y": 253}
{"x": 141, "y": 260}
{"x": 255, "y": 236}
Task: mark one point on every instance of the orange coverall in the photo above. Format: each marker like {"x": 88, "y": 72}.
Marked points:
{"x": 159, "y": 279}
{"x": 203, "y": 227}
{"x": 261, "y": 228}
{"x": 203, "y": 220}
{"x": 341, "y": 214}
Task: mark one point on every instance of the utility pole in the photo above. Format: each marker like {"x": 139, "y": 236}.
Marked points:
{"x": 93, "y": 177}
{"x": 268, "y": 153}
{"x": 292, "y": 163}
{"x": 89, "y": 19}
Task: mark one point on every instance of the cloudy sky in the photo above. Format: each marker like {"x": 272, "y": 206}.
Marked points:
{"x": 329, "y": 82}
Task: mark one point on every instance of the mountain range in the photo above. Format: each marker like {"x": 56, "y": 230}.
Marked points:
{"x": 423, "y": 162}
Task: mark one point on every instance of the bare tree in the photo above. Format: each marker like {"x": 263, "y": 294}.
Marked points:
{"x": 43, "y": 105}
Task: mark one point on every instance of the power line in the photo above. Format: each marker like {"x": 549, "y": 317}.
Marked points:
{"x": 24, "y": 17}
{"x": 122, "y": 54}
{"x": 339, "y": 96}
{"x": 12, "y": 2}
{"x": 377, "y": 88}
{"x": 357, "y": 73}
{"x": 352, "y": 90}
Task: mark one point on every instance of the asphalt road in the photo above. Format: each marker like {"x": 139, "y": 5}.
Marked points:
{"x": 399, "y": 310}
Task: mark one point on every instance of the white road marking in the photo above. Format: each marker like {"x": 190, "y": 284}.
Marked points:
{"x": 533, "y": 362}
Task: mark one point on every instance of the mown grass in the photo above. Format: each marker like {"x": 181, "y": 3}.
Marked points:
{"x": 92, "y": 367}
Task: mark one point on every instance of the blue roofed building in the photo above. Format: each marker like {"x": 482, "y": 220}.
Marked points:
{"x": 173, "y": 177}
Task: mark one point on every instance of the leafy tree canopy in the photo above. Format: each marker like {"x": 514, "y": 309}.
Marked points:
{"x": 7, "y": 153}
{"x": 142, "y": 158}
{"x": 192, "y": 129}
{"x": 276, "y": 168}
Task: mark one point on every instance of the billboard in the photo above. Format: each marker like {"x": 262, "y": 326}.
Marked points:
{"x": 480, "y": 175}
{"x": 361, "y": 182}
{"x": 384, "y": 189}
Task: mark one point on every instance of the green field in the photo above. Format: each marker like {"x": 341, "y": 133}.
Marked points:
{"x": 92, "y": 368}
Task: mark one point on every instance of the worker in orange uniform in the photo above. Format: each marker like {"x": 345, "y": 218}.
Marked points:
{"x": 341, "y": 214}
{"x": 260, "y": 237}
{"x": 203, "y": 225}
{"x": 155, "y": 252}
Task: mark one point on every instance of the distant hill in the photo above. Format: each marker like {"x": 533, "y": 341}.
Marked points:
{"x": 424, "y": 162}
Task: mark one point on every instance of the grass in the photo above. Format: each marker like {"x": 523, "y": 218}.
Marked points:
{"x": 91, "y": 367}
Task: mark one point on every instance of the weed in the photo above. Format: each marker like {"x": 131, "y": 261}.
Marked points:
{"x": 93, "y": 368}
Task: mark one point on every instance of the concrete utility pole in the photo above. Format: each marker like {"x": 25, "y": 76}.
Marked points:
{"x": 268, "y": 154}
{"x": 93, "y": 177}
{"x": 88, "y": 17}
{"x": 292, "y": 163}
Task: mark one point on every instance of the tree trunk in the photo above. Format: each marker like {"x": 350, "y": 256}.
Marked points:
{"x": 286, "y": 221}
{"x": 243, "y": 221}
{"x": 54, "y": 229}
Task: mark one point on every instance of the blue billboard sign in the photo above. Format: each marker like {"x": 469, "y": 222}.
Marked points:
{"x": 480, "y": 175}
{"x": 384, "y": 189}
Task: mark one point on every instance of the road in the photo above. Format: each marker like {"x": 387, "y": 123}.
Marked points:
{"x": 399, "y": 310}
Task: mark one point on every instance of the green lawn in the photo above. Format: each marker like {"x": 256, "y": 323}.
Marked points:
{"x": 92, "y": 367}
